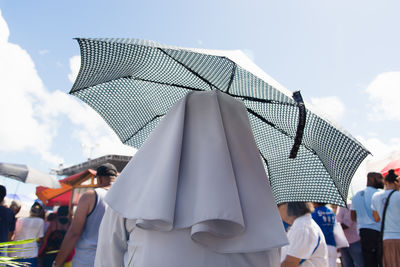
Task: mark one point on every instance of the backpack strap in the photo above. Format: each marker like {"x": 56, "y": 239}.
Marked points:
{"x": 319, "y": 241}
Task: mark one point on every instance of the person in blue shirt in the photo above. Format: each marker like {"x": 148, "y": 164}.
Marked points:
{"x": 368, "y": 229}
{"x": 391, "y": 230}
{"x": 325, "y": 218}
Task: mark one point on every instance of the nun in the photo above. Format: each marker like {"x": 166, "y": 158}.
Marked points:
{"x": 195, "y": 194}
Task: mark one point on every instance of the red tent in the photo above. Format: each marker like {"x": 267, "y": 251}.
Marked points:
{"x": 62, "y": 196}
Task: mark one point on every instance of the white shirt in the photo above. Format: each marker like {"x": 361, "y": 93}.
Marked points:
{"x": 392, "y": 219}
{"x": 303, "y": 239}
{"x": 28, "y": 228}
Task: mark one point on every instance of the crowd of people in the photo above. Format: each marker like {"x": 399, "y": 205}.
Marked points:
{"x": 57, "y": 239}
{"x": 365, "y": 233}
{"x": 370, "y": 224}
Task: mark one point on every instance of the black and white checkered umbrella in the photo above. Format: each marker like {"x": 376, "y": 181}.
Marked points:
{"x": 132, "y": 84}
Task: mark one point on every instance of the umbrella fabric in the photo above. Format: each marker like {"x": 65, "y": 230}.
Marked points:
{"x": 54, "y": 197}
{"x": 132, "y": 84}
{"x": 26, "y": 174}
{"x": 394, "y": 164}
{"x": 20, "y": 198}
{"x": 200, "y": 170}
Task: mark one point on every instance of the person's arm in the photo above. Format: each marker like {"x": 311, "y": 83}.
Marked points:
{"x": 11, "y": 236}
{"x": 353, "y": 216}
{"x": 113, "y": 239}
{"x": 85, "y": 205}
{"x": 50, "y": 229}
{"x": 290, "y": 261}
{"x": 376, "y": 216}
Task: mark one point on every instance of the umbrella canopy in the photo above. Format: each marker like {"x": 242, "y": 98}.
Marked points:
{"x": 26, "y": 174}
{"x": 132, "y": 84}
{"x": 21, "y": 198}
{"x": 394, "y": 164}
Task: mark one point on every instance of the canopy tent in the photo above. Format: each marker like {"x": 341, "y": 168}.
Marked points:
{"x": 70, "y": 191}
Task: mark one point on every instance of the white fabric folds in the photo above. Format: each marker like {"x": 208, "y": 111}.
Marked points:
{"x": 200, "y": 169}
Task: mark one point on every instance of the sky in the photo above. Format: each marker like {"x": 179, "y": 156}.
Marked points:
{"x": 343, "y": 55}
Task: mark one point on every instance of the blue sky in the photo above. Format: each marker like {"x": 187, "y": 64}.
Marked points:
{"x": 343, "y": 55}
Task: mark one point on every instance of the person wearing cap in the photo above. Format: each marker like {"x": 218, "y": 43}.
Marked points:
{"x": 83, "y": 232}
{"x": 29, "y": 228}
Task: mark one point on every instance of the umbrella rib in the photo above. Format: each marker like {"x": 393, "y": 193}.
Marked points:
{"x": 141, "y": 128}
{"x": 278, "y": 129}
{"x": 266, "y": 164}
{"x": 163, "y": 83}
{"x": 190, "y": 70}
{"x": 231, "y": 79}
{"x": 268, "y": 101}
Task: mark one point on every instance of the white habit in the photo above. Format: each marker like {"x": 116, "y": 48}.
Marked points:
{"x": 196, "y": 194}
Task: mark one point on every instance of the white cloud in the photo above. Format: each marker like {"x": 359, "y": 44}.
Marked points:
{"x": 382, "y": 153}
{"x": 379, "y": 148}
{"x": 74, "y": 65}
{"x": 30, "y": 115}
{"x": 384, "y": 93}
{"x": 44, "y": 51}
{"x": 332, "y": 107}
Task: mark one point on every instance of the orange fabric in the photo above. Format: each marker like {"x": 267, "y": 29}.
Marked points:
{"x": 45, "y": 194}
{"x": 61, "y": 196}
{"x": 77, "y": 178}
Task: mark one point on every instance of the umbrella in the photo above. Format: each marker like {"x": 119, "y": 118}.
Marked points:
{"x": 26, "y": 174}
{"x": 21, "y": 198}
{"x": 133, "y": 83}
{"x": 394, "y": 164}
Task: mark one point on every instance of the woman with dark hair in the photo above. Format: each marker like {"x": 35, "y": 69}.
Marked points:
{"x": 386, "y": 208}
{"x": 307, "y": 246}
{"x": 54, "y": 236}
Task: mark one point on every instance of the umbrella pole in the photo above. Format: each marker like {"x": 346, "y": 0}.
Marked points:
{"x": 70, "y": 207}
{"x": 16, "y": 189}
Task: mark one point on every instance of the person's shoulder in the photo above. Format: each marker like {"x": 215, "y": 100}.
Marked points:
{"x": 357, "y": 197}
{"x": 89, "y": 194}
{"x": 87, "y": 198}
{"x": 302, "y": 220}
{"x": 6, "y": 210}
{"x": 378, "y": 194}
